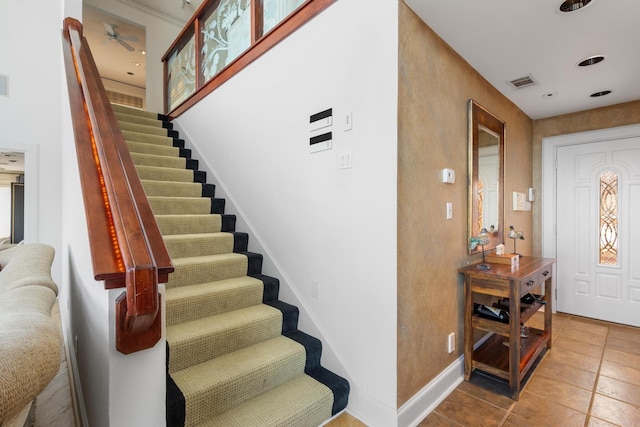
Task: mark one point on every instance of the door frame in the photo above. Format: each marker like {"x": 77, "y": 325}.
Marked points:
{"x": 550, "y": 147}
{"x": 31, "y": 181}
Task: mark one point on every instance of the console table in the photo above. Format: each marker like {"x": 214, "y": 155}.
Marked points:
{"x": 505, "y": 354}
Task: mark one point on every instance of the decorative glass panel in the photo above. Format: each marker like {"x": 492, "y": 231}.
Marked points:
{"x": 276, "y": 10}
{"x": 226, "y": 34}
{"x": 609, "y": 218}
{"x": 182, "y": 77}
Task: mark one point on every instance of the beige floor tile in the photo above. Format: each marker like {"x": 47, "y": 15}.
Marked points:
{"x": 594, "y": 327}
{"x": 490, "y": 390}
{"x": 620, "y": 372}
{"x": 574, "y": 359}
{"x": 580, "y": 347}
{"x": 468, "y": 410}
{"x": 565, "y": 373}
{"x": 625, "y": 332}
{"x": 583, "y": 336}
{"x": 619, "y": 390}
{"x": 542, "y": 412}
{"x": 624, "y": 344}
{"x": 565, "y": 394}
{"x": 436, "y": 420}
{"x": 597, "y": 422}
{"x": 614, "y": 411}
{"x": 622, "y": 358}
{"x": 516, "y": 421}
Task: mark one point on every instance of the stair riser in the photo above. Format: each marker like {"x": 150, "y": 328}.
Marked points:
{"x": 220, "y": 243}
{"x": 189, "y": 224}
{"x": 180, "y": 205}
{"x": 162, "y": 174}
{"x": 226, "y": 392}
{"x": 211, "y": 299}
{"x": 227, "y": 333}
{"x": 193, "y": 274}
{"x": 158, "y": 161}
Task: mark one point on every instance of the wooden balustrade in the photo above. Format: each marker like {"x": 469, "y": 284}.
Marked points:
{"x": 126, "y": 245}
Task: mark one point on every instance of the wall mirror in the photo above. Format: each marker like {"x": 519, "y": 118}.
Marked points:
{"x": 486, "y": 175}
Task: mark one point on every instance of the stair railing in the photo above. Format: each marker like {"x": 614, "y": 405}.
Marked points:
{"x": 126, "y": 245}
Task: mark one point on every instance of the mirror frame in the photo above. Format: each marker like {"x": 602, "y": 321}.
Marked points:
{"x": 480, "y": 116}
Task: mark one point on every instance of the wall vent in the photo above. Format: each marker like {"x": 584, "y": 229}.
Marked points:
{"x": 523, "y": 82}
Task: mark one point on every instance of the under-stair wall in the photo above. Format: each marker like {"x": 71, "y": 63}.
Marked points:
{"x": 319, "y": 226}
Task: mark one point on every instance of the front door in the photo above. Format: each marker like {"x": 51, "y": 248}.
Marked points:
{"x": 598, "y": 230}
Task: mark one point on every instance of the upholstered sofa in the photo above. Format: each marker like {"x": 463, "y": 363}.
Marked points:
{"x": 29, "y": 339}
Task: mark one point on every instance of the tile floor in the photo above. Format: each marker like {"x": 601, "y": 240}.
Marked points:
{"x": 590, "y": 378}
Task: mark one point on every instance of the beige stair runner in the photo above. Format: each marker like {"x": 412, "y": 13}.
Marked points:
{"x": 227, "y": 354}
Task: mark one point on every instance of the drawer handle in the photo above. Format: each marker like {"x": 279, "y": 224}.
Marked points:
{"x": 545, "y": 274}
{"x": 530, "y": 283}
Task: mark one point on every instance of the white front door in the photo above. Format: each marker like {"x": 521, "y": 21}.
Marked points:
{"x": 598, "y": 230}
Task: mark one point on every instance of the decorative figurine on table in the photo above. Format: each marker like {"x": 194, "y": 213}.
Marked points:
{"x": 515, "y": 235}
{"x": 500, "y": 249}
{"x": 481, "y": 239}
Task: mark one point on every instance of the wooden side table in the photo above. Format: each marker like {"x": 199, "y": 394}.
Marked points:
{"x": 505, "y": 354}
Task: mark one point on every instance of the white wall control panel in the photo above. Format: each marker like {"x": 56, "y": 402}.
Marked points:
{"x": 520, "y": 202}
{"x": 448, "y": 176}
{"x": 320, "y": 125}
{"x": 321, "y": 120}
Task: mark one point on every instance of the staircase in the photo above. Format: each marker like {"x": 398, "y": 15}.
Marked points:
{"x": 234, "y": 354}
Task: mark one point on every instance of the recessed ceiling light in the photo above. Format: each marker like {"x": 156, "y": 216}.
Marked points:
{"x": 573, "y": 5}
{"x": 592, "y": 60}
{"x": 598, "y": 94}
{"x": 549, "y": 95}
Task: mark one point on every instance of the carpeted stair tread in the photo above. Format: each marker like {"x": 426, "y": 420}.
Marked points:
{"x": 234, "y": 354}
{"x": 217, "y": 385}
{"x": 154, "y": 173}
{"x": 161, "y": 205}
{"x": 209, "y": 268}
{"x": 134, "y": 111}
{"x": 171, "y": 188}
{"x": 158, "y": 161}
{"x": 300, "y": 402}
{"x": 142, "y": 128}
{"x": 146, "y": 138}
{"x": 137, "y": 119}
{"x": 187, "y": 303}
{"x": 190, "y": 245}
{"x": 195, "y": 342}
{"x": 160, "y": 150}
{"x": 188, "y": 224}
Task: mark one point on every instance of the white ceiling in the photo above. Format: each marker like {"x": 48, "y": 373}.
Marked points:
{"x": 507, "y": 39}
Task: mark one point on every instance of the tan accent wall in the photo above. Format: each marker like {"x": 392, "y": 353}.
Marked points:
{"x": 598, "y": 118}
{"x": 435, "y": 85}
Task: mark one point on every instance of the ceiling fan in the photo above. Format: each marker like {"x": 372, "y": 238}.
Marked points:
{"x": 113, "y": 35}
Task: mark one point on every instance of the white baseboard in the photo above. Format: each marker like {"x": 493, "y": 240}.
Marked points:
{"x": 426, "y": 400}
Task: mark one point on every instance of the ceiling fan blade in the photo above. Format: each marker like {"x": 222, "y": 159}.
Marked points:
{"x": 129, "y": 38}
{"x": 111, "y": 31}
{"x": 126, "y": 45}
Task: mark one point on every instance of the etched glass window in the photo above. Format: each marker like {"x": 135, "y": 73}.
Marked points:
{"x": 609, "y": 218}
{"x": 275, "y": 11}
{"x": 226, "y": 34}
{"x": 181, "y": 78}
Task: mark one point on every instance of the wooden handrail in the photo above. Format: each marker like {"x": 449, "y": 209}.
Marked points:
{"x": 126, "y": 245}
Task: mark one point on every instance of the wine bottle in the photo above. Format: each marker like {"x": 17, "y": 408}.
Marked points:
{"x": 491, "y": 313}
{"x": 528, "y": 299}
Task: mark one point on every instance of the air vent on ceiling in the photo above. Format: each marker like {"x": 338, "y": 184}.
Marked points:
{"x": 523, "y": 82}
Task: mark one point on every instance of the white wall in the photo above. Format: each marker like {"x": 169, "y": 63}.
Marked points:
{"x": 29, "y": 116}
{"x": 312, "y": 221}
{"x": 5, "y": 211}
{"x": 159, "y": 33}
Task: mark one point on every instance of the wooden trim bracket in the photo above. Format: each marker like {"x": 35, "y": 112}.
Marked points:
{"x": 126, "y": 245}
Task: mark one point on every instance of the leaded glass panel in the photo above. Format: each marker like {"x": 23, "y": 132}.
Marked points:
{"x": 609, "y": 218}
{"x": 226, "y": 34}
{"x": 181, "y": 67}
{"x": 276, "y": 10}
